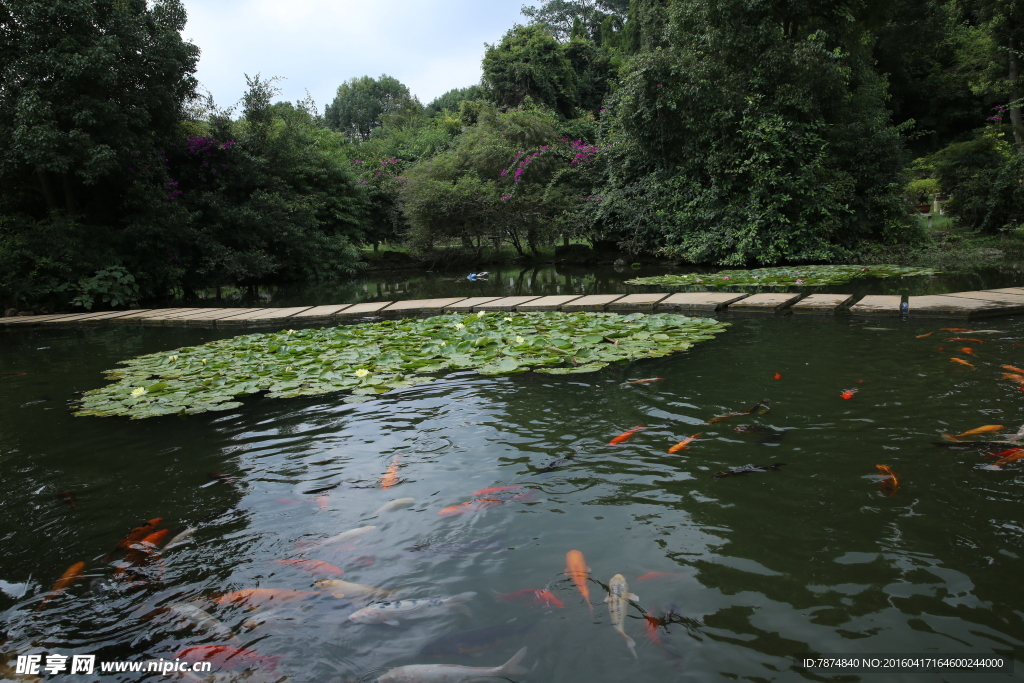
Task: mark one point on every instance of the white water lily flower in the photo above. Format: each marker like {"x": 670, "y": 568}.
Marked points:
{"x": 519, "y": 339}
{"x": 290, "y": 332}
{"x": 138, "y": 392}
{"x": 444, "y": 343}
{"x": 204, "y": 361}
{"x": 173, "y": 359}
{"x": 362, "y": 372}
{"x": 507, "y": 319}
{"x": 460, "y": 326}
{"x": 481, "y": 314}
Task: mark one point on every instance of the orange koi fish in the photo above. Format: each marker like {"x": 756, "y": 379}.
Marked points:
{"x": 970, "y": 339}
{"x": 890, "y": 483}
{"x": 624, "y": 436}
{"x": 469, "y": 506}
{"x": 252, "y": 598}
{"x": 651, "y": 629}
{"x": 962, "y": 362}
{"x": 139, "y": 533}
{"x": 1000, "y": 454}
{"x": 956, "y": 329}
{"x": 987, "y": 429}
{"x": 778, "y": 375}
{"x": 644, "y": 381}
{"x": 496, "y": 491}
{"x": 576, "y": 567}
{"x": 70, "y": 575}
{"x": 322, "y": 502}
{"x": 536, "y": 596}
{"x": 657, "y": 576}
{"x": 1016, "y": 344}
{"x": 1009, "y": 456}
{"x": 227, "y": 657}
{"x": 968, "y": 350}
{"x": 922, "y": 336}
{"x": 313, "y": 567}
{"x": 848, "y": 394}
{"x": 1012, "y": 369}
{"x": 764, "y": 408}
{"x": 684, "y": 444}
{"x": 1018, "y": 378}
{"x": 390, "y": 477}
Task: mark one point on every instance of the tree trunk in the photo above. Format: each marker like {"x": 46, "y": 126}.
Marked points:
{"x": 47, "y": 190}
{"x": 1015, "y": 117}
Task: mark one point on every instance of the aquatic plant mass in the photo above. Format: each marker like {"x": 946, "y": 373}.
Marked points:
{"x": 374, "y": 358}
{"x": 786, "y": 276}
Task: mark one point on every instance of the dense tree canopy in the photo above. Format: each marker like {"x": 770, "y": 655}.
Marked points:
{"x": 361, "y": 103}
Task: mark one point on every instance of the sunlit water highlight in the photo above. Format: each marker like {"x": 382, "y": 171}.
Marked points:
{"x": 811, "y": 558}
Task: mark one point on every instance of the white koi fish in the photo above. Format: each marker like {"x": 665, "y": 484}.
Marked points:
{"x": 618, "y": 602}
{"x": 182, "y": 538}
{"x": 202, "y": 620}
{"x": 344, "y": 536}
{"x": 389, "y": 612}
{"x": 392, "y": 505}
{"x": 348, "y": 590}
{"x": 451, "y": 673}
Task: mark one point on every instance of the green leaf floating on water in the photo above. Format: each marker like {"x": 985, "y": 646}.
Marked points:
{"x": 787, "y": 276}
{"x": 374, "y": 358}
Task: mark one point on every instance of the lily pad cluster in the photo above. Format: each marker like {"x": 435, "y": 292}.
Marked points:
{"x": 374, "y": 358}
{"x": 807, "y": 276}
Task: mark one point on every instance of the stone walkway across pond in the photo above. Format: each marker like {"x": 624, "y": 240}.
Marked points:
{"x": 963, "y": 305}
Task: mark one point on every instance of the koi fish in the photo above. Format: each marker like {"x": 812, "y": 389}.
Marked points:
{"x": 576, "y": 567}
{"x": 890, "y": 483}
{"x": 154, "y": 538}
{"x": 1011, "y": 368}
{"x": 684, "y": 444}
{"x": 202, "y": 620}
{"x": 496, "y": 491}
{"x": 970, "y": 339}
{"x": 182, "y": 538}
{"x": 536, "y": 596}
{"x": 760, "y": 408}
{"x": 987, "y": 429}
{"x": 657, "y": 576}
{"x": 70, "y": 575}
{"x": 1000, "y": 454}
{"x": 955, "y": 329}
{"x": 1018, "y": 378}
{"x": 1009, "y": 456}
{"x": 848, "y": 394}
{"x": 227, "y": 657}
{"x": 69, "y": 498}
{"x": 476, "y": 640}
{"x": 322, "y": 489}
{"x": 624, "y": 436}
{"x": 968, "y": 350}
{"x": 349, "y": 591}
{"x": 747, "y": 469}
{"x": 778, "y": 375}
{"x": 922, "y": 336}
{"x": 469, "y": 506}
{"x": 389, "y": 612}
{"x": 643, "y": 381}
{"x": 222, "y": 478}
{"x": 443, "y": 673}
{"x": 651, "y": 629}
{"x": 350, "y": 535}
{"x": 139, "y": 533}
{"x": 618, "y": 602}
{"x": 15, "y": 373}
{"x": 390, "y": 477}
{"x": 313, "y": 566}
{"x": 392, "y": 505}
{"x": 962, "y": 362}
{"x": 555, "y": 464}
{"x": 253, "y": 598}
{"x": 322, "y": 502}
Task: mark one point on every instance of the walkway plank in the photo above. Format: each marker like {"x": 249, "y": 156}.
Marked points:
{"x": 957, "y": 307}
{"x": 637, "y": 302}
{"x": 37, "y": 319}
{"x": 548, "y": 303}
{"x": 156, "y": 319}
{"x": 1006, "y": 290}
{"x": 699, "y": 301}
{"x": 878, "y": 304}
{"x": 1001, "y": 297}
{"x": 766, "y": 302}
{"x": 591, "y": 302}
{"x": 362, "y": 310}
{"x": 137, "y": 317}
{"x": 263, "y": 316}
{"x": 319, "y": 313}
{"x": 508, "y": 303}
{"x": 823, "y": 303}
{"x": 211, "y": 316}
{"x": 200, "y": 314}
{"x": 466, "y": 305}
{"x": 421, "y": 305}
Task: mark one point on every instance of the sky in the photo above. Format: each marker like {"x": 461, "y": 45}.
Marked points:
{"x": 431, "y": 46}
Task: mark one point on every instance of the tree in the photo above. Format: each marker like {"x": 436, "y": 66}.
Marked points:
{"x": 90, "y": 88}
{"x": 453, "y": 98}
{"x": 529, "y": 63}
{"x": 583, "y": 16}
{"x": 360, "y": 104}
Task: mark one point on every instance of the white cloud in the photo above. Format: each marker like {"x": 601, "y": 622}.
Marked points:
{"x": 431, "y": 46}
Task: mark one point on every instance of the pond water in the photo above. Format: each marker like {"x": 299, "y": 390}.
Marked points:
{"x": 512, "y": 280}
{"x": 813, "y": 557}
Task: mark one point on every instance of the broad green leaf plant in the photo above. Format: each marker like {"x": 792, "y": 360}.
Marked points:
{"x": 374, "y": 358}
{"x": 788, "y": 276}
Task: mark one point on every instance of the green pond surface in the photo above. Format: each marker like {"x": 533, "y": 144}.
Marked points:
{"x": 512, "y": 280}
{"x": 812, "y": 558}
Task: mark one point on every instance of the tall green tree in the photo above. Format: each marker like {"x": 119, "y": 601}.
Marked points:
{"x": 361, "y": 103}
{"x": 529, "y": 64}
{"x": 584, "y": 17}
{"x": 89, "y": 89}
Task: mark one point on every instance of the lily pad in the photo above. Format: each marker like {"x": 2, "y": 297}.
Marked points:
{"x": 786, "y": 276}
{"x": 374, "y": 358}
